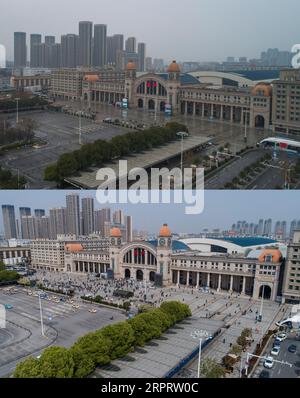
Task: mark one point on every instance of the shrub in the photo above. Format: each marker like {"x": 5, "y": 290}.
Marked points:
{"x": 29, "y": 369}
{"x": 56, "y": 362}
{"x": 121, "y": 336}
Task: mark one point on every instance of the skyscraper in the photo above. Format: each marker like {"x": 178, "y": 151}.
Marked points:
{"x": 115, "y": 43}
{"x": 85, "y": 43}
{"x": 39, "y": 212}
{"x": 57, "y": 222}
{"x": 100, "y": 45}
{"x": 142, "y": 57}
{"x": 73, "y": 214}
{"x": 128, "y": 224}
{"x": 118, "y": 217}
{"x": 101, "y": 217}
{"x": 71, "y": 48}
{"x": 130, "y": 45}
{"x": 9, "y": 222}
{"x": 88, "y": 216}
{"x": 28, "y": 227}
{"x": 35, "y": 50}
{"x": 20, "y": 49}
{"x": 24, "y": 212}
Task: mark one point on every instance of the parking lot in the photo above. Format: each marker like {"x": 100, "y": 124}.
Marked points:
{"x": 282, "y": 371}
{"x": 64, "y": 322}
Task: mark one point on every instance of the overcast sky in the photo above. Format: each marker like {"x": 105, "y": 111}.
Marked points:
{"x": 198, "y": 30}
{"x": 221, "y": 210}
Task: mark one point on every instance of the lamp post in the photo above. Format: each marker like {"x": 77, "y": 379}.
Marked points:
{"x": 41, "y": 315}
{"x": 200, "y": 335}
{"x": 17, "y": 101}
{"x": 262, "y": 303}
{"x": 183, "y": 135}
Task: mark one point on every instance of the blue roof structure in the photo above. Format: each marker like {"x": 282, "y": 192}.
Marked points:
{"x": 250, "y": 241}
{"x": 176, "y": 245}
{"x": 184, "y": 78}
{"x": 257, "y": 75}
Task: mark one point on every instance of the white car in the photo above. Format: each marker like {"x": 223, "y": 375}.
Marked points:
{"x": 93, "y": 311}
{"x": 275, "y": 351}
{"x": 269, "y": 363}
{"x": 281, "y": 337}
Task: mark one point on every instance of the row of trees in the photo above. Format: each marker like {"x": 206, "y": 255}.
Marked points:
{"x": 8, "y": 276}
{"x": 22, "y": 132}
{"x": 236, "y": 350}
{"x": 11, "y": 181}
{"x": 101, "y": 347}
{"x": 25, "y": 102}
{"x": 100, "y": 152}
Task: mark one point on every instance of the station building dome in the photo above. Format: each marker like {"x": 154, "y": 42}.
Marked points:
{"x": 174, "y": 67}
{"x": 165, "y": 231}
{"x": 115, "y": 233}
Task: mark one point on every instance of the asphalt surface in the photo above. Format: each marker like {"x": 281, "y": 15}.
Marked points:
{"x": 228, "y": 173}
{"x": 280, "y": 371}
{"x": 61, "y": 135}
{"x": 63, "y": 325}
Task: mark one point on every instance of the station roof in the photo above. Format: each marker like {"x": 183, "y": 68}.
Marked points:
{"x": 146, "y": 160}
{"x": 250, "y": 241}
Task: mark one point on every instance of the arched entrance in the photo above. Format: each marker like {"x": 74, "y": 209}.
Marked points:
{"x": 266, "y": 292}
{"x": 127, "y": 273}
{"x": 152, "y": 276}
{"x": 162, "y": 106}
{"x": 151, "y": 105}
{"x": 140, "y": 103}
{"x": 260, "y": 121}
{"x": 139, "y": 275}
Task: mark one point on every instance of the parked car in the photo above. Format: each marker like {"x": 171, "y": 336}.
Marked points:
{"x": 269, "y": 363}
{"x": 292, "y": 348}
{"x": 264, "y": 375}
{"x": 275, "y": 351}
{"x": 8, "y": 306}
{"x": 281, "y": 337}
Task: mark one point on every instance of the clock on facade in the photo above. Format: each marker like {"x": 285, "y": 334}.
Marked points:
{"x": 161, "y": 242}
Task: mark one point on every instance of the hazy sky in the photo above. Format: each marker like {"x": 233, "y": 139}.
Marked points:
{"x": 222, "y": 208}
{"x": 184, "y": 30}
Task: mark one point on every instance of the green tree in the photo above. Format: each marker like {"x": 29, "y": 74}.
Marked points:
{"x": 2, "y": 266}
{"x": 210, "y": 369}
{"x": 94, "y": 345}
{"x": 8, "y": 276}
{"x": 176, "y": 310}
{"x": 83, "y": 363}
{"x": 121, "y": 336}
{"x": 56, "y": 362}
{"x": 51, "y": 173}
{"x": 28, "y": 369}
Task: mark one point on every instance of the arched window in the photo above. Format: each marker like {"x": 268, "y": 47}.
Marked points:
{"x": 139, "y": 256}
{"x": 141, "y": 88}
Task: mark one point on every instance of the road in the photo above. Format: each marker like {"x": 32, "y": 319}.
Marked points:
{"x": 63, "y": 325}
{"x": 228, "y": 173}
{"x": 281, "y": 371}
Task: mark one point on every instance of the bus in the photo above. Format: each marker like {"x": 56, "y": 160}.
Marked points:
{"x": 281, "y": 144}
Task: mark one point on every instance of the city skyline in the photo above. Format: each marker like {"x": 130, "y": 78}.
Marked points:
{"x": 183, "y": 44}
{"x": 239, "y": 205}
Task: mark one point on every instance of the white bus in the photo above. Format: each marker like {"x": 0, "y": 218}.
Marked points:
{"x": 281, "y": 144}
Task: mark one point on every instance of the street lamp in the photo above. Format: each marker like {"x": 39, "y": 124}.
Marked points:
{"x": 200, "y": 335}
{"x": 41, "y": 315}
{"x": 183, "y": 135}
{"x": 262, "y": 303}
{"x": 17, "y": 101}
